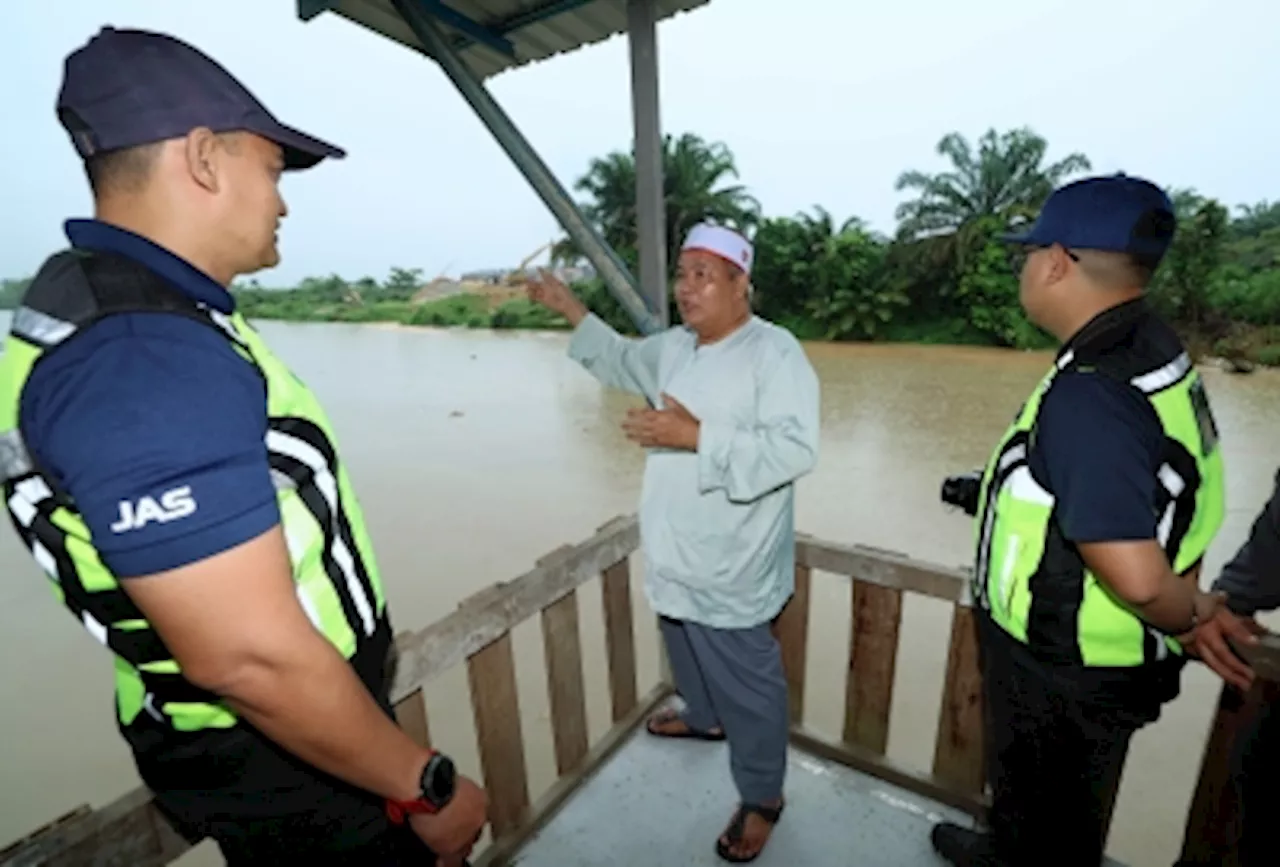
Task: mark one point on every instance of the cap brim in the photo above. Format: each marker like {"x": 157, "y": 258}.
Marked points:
{"x": 301, "y": 151}
{"x": 1020, "y": 238}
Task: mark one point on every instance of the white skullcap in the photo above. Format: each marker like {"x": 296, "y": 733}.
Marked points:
{"x": 725, "y": 243}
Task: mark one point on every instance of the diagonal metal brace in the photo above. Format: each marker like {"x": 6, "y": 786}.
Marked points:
{"x": 619, "y": 281}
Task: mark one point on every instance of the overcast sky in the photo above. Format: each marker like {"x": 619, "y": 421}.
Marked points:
{"x": 825, "y": 103}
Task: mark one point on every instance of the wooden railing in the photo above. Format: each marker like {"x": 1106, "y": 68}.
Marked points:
{"x": 130, "y": 831}
{"x": 880, "y": 578}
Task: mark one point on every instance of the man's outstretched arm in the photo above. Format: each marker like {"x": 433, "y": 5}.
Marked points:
{"x": 627, "y": 363}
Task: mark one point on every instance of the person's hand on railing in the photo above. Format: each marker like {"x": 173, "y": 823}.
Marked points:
{"x": 1209, "y": 642}
{"x": 453, "y": 831}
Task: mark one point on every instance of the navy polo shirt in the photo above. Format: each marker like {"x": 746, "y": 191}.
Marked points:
{"x": 1098, "y": 447}
{"x": 144, "y": 404}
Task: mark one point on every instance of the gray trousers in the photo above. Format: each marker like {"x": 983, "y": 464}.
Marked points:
{"x": 733, "y": 679}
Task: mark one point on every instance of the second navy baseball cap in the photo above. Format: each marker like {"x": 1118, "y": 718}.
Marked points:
{"x": 1115, "y": 213}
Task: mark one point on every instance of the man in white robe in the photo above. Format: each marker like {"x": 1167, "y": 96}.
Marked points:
{"x": 733, "y": 423}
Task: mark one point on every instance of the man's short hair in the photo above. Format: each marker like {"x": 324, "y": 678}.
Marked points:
{"x": 125, "y": 170}
{"x": 1118, "y": 270}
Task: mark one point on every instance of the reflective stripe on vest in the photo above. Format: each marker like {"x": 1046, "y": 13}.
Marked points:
{"x": 334, "y": 570}
{"x": 1020, "y": 552}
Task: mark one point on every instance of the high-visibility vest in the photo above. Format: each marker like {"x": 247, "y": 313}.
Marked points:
{"x": 334, "y": 570}
{"x": 1032, "y": 581}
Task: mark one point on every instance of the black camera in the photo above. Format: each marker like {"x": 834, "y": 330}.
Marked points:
{"x": 962, "y": 491}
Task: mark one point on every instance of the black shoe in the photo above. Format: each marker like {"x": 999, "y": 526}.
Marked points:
{"x": 962, "y": 847}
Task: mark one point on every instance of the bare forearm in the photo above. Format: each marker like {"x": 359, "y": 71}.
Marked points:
{"x": 1138, "y": 572}
{"x": 313, "y": 704}
{"x": 1171, "y": 608}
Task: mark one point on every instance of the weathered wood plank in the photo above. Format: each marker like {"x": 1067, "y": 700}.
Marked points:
{"x": 411, "y": 714}
{"x": 865, "y": 761}
{"x": 128, "y": 832}
{"x": 873, "y": 656}
{"x": 958, "y": 753}
{"x": 562, "y": 643}
{"x": 450, "y": 641}
{"x": 792, "y": 631}
{"x": 885, "y": 568}
{"x": 504, "y": 848}
{"x": 619, "y": 637}
{"x": 496, "y": 706}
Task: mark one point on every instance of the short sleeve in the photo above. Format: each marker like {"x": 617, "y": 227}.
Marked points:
{"x": 155, "y": 427}
{"x": 1098, "y": 446}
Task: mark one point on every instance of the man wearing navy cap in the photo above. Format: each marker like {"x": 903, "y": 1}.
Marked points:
{"x": 182, "y": 490}
{"x": 1093, "y": 516}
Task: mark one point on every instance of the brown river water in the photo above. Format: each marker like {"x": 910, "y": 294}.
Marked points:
{"x": 475, "y": 453}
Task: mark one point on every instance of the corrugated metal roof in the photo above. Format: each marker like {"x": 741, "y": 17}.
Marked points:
{"x": 536, "y": 29}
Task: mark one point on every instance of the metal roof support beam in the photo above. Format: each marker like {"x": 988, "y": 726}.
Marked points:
{"x": 538, "y": 13}
{"x": 525, "y": 18}
{"x": 613, "y": 271}
{"x": 473, "y": 29}
{"x": 642, "y": 39}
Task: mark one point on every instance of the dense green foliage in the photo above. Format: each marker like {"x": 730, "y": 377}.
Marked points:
{"x": 11, "y": 293}
{"x": 945, "y": 276}
{"x": 942, "y": 277}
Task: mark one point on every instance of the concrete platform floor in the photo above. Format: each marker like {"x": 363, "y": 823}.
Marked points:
{"x": 662, "y": 802}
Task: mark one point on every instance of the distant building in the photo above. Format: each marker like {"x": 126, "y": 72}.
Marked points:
{"x": 496, "y": 276}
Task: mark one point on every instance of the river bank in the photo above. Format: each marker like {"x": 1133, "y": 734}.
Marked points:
{"x": 1237, "y": 345}
{"x": 475, "y": 452}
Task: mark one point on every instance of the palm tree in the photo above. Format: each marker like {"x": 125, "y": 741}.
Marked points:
{"x": 1004, "y": 179}
{"x": 694, "y": 172}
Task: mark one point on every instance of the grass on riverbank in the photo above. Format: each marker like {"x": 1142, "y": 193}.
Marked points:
{"x": 1256, "y": 343}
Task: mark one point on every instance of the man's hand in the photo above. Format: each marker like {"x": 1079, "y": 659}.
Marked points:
{"x": 556, "y": 297}
{"x": 673, "y": 428}
{"x": 454, "y": 830}
{"x": 1208, "y": 642}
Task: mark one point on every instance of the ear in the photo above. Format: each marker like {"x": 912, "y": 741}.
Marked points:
{"x": 203, "y": 149}
{"x": 1059, "y": 264}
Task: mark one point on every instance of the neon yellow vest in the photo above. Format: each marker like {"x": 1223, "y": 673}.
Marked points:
{"x": 334, "y": 569}
{"x": 1033, "y": 583}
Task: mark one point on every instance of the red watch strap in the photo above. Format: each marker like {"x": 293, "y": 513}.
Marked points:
{"x": 398, "y": 811}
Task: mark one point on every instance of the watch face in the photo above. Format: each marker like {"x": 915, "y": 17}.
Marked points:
{"x": 438, "y": 779}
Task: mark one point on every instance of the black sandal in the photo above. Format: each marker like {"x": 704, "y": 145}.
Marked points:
{"x": 734, "y": 833}
{"x": 668, "y": 716}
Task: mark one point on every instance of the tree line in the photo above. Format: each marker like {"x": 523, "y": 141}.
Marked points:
{"x": 942, "y": 276}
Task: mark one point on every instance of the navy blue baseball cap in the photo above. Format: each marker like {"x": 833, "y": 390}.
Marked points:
{"x": 1115, "y": 213}
{"x": 126, "y": 88}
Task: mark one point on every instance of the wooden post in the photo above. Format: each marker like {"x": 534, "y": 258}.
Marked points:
{"x": 873, "y": 654}
{"x": 619, "y": 634}
{"x": 563, "y": 645}
{"x": 958, "y": 753}
{"x": 1212, "y": 828}
{"x": 492, "y": 675}
{"x": 792, "y": 630}
{"x": 411, "y": 714}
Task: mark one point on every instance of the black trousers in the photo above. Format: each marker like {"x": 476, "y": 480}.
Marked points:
{"x": 260, "y": 847}
{"x": 1256, "y": 761}
{"x": 1054, "y": 759}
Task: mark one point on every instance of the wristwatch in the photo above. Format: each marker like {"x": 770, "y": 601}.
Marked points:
{"x": 437, "y": 785}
